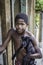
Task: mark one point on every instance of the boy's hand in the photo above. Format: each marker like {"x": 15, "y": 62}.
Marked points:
{"x": 0, "y": 49}
{"x": 23, "y": 52}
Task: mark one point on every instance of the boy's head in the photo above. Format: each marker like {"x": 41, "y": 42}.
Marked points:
{"x": 21, "y": 16}
{"x": 21, "y": 22}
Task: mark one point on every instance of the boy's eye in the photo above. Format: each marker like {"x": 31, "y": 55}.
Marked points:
{"x": 20, "y": 24}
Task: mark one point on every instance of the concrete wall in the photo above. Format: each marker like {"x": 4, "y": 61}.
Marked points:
{"x": 1, "y": 56}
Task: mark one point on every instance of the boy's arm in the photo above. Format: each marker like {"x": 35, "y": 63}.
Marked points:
{"x": 5, "y": 44}
{"x": 38, "y": 51}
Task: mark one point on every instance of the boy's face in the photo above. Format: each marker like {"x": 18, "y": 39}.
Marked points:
{"x": 20, "y": 26}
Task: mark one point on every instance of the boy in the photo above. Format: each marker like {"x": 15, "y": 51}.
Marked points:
{"x": 21, "y": 36}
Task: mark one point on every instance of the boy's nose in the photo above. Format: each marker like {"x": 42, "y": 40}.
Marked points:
{"x": 19, "y": 26}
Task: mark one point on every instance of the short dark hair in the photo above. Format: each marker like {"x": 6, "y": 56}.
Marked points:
{"x": 21, "y": 16}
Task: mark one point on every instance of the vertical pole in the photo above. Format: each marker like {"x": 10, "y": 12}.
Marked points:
{"x": 8, "y": 26}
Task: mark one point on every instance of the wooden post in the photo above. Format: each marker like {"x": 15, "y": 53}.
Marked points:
{"x": 31, "y": 15}
{"x": 3, "y": 25}
{"x": 8, "y": 26}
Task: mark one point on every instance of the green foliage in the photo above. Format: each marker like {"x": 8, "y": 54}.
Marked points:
{"x": 39, "y": 5}
{"x": 37, "y": 19}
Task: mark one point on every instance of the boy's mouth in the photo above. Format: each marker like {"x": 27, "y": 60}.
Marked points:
{"x": 19, "y": 30}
